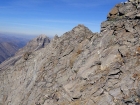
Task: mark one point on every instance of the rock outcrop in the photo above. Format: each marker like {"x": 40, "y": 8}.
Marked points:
{"x": 128, "y": 10}
{"x": 80, "y": 68}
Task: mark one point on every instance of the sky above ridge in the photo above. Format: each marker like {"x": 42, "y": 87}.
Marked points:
{"x": 50, "y": 17}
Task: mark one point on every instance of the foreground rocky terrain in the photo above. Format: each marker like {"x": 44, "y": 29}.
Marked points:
{"x": 81, "y": 67}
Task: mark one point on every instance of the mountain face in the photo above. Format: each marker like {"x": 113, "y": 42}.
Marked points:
{"x": 80, "y": 67}
{"x": 9, "y": 45}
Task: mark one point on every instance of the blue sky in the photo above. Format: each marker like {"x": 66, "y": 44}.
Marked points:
{"x": 50, "y": 17}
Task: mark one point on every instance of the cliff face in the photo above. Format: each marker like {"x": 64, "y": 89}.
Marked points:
{"x": 79, "y": 68}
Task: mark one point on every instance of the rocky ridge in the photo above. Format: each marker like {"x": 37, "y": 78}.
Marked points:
{"x": 80, "y": 68}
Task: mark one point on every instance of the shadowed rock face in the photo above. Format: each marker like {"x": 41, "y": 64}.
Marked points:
{"x": 79, "y": 68}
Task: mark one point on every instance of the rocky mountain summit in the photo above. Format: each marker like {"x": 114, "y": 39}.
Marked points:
{"x": 80, "y": 67}
{"x": 39, "y": 42}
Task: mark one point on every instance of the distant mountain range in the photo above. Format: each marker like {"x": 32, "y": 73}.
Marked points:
{"x": 33, "y": 45}
{"x": 10, "y": 44}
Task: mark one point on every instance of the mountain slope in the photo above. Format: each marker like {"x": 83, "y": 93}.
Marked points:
{"x": 80, "y": 67}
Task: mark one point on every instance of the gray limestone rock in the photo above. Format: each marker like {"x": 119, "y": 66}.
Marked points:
{"x": 80, "y": 67}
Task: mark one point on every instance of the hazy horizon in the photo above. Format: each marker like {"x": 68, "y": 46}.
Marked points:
{"x": 34, "y": 17}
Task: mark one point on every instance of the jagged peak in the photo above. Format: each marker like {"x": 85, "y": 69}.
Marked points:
{"x": 80, "y": 27}
{"x": 39, "y": 42}
{"x": 41, "y": 37}
{"x": 78, "y": 32}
